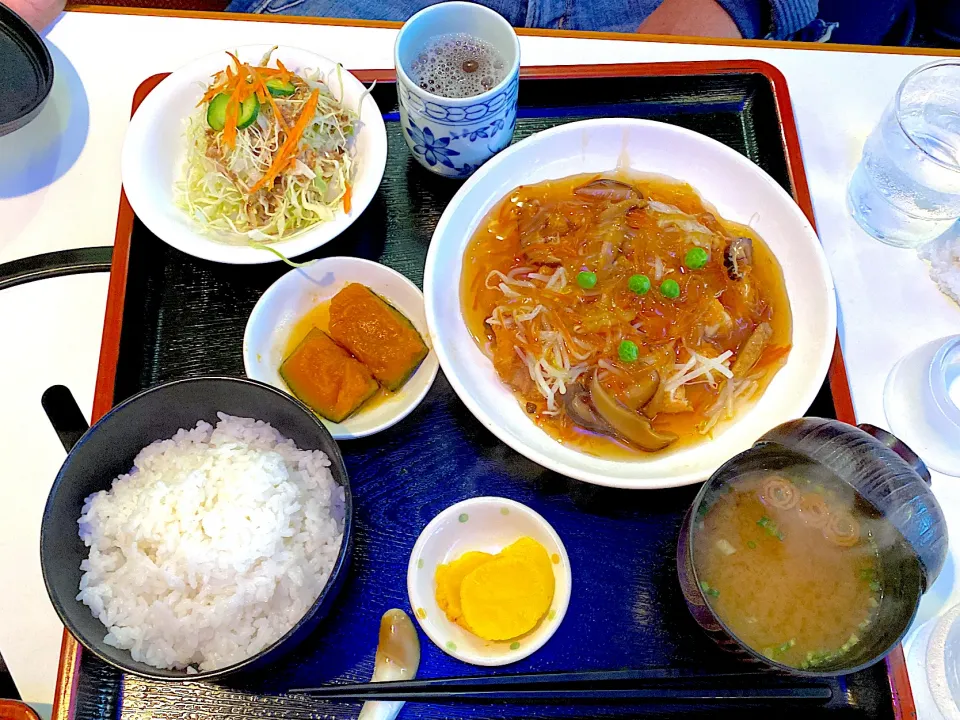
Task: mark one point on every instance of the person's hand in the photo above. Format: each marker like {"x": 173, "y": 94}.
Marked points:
{"x": 703, "y": 18}
{"x": 39, "y": 13}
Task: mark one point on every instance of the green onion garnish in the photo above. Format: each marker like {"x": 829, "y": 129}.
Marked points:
{"x": 707, "y": 590}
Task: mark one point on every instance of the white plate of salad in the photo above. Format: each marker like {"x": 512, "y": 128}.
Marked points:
{"x": 254, "y": 155}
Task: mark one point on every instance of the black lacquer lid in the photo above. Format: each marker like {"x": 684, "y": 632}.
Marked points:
{"x": 26, "y": 71}
{"x": 883, "y": 471}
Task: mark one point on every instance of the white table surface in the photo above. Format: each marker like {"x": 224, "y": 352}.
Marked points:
{"x": 59, "y": 188}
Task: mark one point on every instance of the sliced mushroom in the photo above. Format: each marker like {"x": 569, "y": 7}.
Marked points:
{"x": 609, "y": 190}
{"x": 737, "y": 257}
{"x": 630, "y": 425}
{"x": 575, "y": 402}
{"x": 640, "y": 393}
{"x": 751, "y": 349}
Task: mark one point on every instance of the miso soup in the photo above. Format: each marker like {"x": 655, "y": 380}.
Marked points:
{"x": 790, "y": 566}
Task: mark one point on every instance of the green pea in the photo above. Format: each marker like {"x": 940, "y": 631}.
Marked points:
{"x": 586, "y": 279}
{"x": 696, "y": 258}
{"x": 670, "y": 289}
{"x": 640, "y": 284}
{"x": 628, "y": 351}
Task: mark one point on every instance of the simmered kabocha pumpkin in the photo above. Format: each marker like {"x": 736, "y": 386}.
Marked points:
{"x": 377, "y": 334}
{"x": 326, "y": 378}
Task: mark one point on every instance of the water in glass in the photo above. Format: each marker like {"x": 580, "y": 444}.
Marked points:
{"x": 906, "y": 189}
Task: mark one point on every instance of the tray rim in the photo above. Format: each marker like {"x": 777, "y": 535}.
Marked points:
{"x": 68, "y": 672}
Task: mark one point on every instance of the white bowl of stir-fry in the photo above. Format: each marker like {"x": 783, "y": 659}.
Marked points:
{"x": 629, "y": 303}
{"x": 254, "y": 155}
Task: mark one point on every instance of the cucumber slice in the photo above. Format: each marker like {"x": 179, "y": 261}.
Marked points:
{"x": 217, "y": 112}
{"x": 280, "y": 88}
{"x": 249, "y": 109}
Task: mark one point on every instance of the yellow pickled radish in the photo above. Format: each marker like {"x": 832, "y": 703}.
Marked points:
{"x": 527, "y": 548}
{"x": 504, "y": 598}
{"x": 449, "y": 577}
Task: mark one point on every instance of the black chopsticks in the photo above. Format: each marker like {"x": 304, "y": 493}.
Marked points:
{"x": 598, "y": 686}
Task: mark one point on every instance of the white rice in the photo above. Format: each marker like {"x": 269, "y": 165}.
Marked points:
{"x": 213, "y": 546}
{"x": 943, "y": 255}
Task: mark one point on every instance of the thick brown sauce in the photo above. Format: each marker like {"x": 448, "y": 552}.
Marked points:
{"x": 498, "y": 245}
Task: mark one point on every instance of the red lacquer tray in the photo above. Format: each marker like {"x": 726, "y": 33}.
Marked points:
{"x": 162, "y": 304}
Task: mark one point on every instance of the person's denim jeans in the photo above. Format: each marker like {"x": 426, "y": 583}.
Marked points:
{"x": 609, "y": 15}
{"x": 776, "y": 19}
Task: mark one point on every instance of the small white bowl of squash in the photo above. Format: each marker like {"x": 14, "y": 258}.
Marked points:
{"x": 353, "y": 387}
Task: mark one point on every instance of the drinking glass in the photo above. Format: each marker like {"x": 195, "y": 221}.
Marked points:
{"x": 455, "y": 136}
{"x": 906, "y": 189}
{"x": 921, "y": 400}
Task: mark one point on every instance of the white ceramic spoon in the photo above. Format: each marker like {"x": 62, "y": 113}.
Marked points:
{"x": 398, "y": 658}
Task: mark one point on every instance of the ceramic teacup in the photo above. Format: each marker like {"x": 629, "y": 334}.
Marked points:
{"x": 454, "y": 136}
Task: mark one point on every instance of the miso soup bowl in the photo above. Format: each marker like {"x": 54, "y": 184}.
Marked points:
{"x": 889, "y": 482}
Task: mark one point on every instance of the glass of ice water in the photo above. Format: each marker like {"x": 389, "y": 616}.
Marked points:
{"x": 906, "y": 190}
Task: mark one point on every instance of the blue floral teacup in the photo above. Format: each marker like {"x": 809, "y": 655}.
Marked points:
{"x": 454, "y": 136}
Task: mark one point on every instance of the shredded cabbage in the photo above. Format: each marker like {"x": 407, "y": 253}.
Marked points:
{"x": 214, "y": 187}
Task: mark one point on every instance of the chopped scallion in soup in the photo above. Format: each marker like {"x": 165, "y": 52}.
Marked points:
{"x": 790, "y": 567}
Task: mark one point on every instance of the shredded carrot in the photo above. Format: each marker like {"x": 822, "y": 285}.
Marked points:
{"x": 240, "y": 81}
{"x": 222, "y": 80}
{"x": 230, "y": 119}
{"x": 264, "y": 94}
{"x": 237, "y": 96}
{"x": 288, "y": 150}
{"x": 347, "y": 198}
{"x": 236, "y": 60}
{"x": 227, "y": 80}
